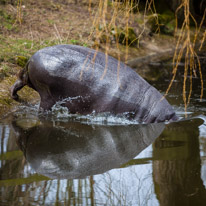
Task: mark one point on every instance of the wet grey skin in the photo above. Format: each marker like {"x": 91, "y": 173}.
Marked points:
{"x": 75, "y": 74}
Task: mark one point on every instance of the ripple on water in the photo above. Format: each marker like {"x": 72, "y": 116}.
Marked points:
{"x": 61, "y": 113}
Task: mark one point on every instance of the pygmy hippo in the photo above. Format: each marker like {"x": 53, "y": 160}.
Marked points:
{"x": 86, "y": 81}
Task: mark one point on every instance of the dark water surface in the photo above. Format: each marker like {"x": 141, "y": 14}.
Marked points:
{"x": 56, "y": 161}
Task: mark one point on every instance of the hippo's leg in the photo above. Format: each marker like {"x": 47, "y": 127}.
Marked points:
{"x": 47, "y": 99}
{"x": 47, "y": 104}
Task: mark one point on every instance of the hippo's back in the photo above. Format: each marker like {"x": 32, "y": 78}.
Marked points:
{"x": 103, "y": 83}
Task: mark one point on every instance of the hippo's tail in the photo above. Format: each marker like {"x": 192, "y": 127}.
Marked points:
{"x": 20, "y": 82}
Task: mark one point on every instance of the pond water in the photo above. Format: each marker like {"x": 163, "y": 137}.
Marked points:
{"x": 61, "y": 160}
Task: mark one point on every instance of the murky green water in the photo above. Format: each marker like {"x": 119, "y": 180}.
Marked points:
{"x": 57, "y": 162}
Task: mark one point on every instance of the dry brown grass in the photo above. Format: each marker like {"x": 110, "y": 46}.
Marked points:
{"x": 109, "y": 18}
{"x": 186, "y": 44}
{"x": 186, "y": 47}
{"x": 19, "y": 13}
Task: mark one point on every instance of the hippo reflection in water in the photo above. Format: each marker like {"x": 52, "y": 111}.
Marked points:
{"x": 75, "y": 75}
{"x": 73, "y": 150}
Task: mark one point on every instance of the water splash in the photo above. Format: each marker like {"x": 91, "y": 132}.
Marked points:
{"x": 106, "y": 118}
{"x": 60, "y": 113}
